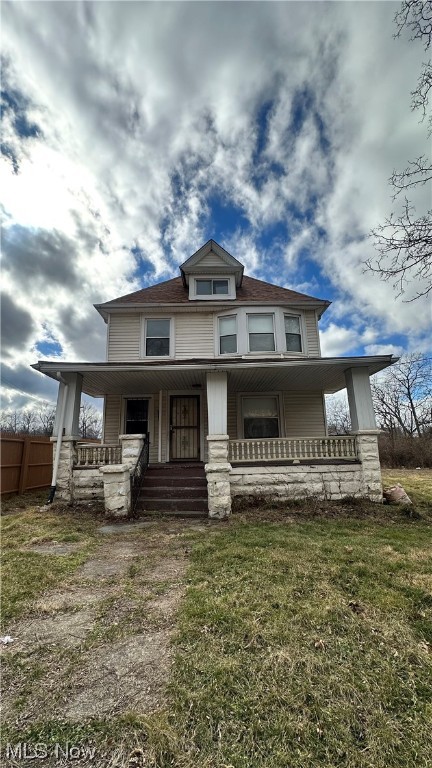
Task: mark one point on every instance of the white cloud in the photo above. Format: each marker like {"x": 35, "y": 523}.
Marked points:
{"x": 137, "y": 133}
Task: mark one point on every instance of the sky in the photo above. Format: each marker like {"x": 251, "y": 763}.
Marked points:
{"x": 134, "y": 132}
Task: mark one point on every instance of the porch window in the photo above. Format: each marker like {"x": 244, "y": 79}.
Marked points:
{"x": 227, "y": 335}
{"x": 212, "y": 287}
{"x": 136, "y": 417}
{"x": 261, "y": 333}
{"x": 260, "y": 417}
{"x": 157, "y": 341}
{"x": 293, "y": 333}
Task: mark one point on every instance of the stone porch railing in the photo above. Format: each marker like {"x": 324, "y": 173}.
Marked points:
{"x": 293, "y": 448}
{"x": 90, "y": 471}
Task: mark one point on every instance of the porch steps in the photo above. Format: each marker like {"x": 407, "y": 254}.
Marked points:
{"x": 174, "y": 489}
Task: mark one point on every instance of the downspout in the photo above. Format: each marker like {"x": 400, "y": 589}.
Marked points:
{"x": 59, "y": 440}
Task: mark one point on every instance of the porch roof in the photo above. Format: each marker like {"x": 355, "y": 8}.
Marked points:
{"x": 245, "y": 374}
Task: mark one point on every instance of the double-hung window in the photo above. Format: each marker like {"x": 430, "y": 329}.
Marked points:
{"x": 157, "y": 337}
{"x": 293, "y": 333}
{"x": 260, "y": 416}
{"x": 212, "y": 287}
{"x": 261, "y": 333}
{"x": 137, "y": 416}
{"x": 227, "y": 335}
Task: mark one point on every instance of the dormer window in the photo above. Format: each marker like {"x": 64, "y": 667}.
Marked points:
{"x": 214, "y": 287}
{"x": 211, "y": 287}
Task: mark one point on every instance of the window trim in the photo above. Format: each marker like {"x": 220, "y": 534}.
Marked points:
{"x": 151, "y": 414}
{"x": 261, "y": 351}
{"x": 194, "y": 296}
{"x": 240, "y": 420}
{"x": 219, "y": 336}
{"x": 171, "y": 352}
{"x": 301, "y": 333}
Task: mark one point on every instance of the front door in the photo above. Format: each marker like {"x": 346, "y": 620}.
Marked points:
{"x": 184, "y": 428}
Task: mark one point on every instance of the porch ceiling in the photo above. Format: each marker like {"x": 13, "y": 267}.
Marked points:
{"x": 244, "y": 375}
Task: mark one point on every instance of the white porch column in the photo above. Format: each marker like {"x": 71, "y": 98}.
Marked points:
{"x": 218, "y": 468}
{"x": 360, "y": 400}
{"x": 217, "y": 402}
{"x": 72, "y": 392}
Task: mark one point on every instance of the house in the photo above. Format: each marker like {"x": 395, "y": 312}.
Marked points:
{"x": 213, "y": 388}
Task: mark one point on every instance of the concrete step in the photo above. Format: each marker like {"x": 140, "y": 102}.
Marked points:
{"x": 183, "y": 504}
{"x": 170, "y": 492}
{"x": 157, "y": 480}
{"x": 148, "y": 514}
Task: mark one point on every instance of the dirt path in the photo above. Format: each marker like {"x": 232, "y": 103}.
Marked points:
{"x": 100, "y": 644}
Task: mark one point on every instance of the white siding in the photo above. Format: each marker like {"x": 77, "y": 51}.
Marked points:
{"x": 304, "y": 414}
{"x": 124, "y": 337}
{"x": 194, "y": 335}
{"x": 112, "y": 418}
{"x": 313, "y": 346}
{"x": 209, "y": 262}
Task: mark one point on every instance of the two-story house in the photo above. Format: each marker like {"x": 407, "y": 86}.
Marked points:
{"x": 219, "y": 378}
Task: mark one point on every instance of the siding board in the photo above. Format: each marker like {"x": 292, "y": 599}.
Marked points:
{"x": 194, "y": 335}
{"x": 304, "y": 414}
{"x": 124, "y": 337}
{"x": 313, "y": 345}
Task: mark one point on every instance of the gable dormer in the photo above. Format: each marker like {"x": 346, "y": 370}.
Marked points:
{"x": 212, "y": 273}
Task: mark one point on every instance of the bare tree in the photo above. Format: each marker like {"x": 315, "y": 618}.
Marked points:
{"x": 46, "y": 415}
{"x": 338, "y": 416}
{"x": 403, "y": 397}
{"x": 404, "y": 241}
{"x": 90, "y": 421}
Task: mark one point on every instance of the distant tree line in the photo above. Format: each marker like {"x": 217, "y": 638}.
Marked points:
{"x": 402, "y": 398}
{"x": 39, "y": 420}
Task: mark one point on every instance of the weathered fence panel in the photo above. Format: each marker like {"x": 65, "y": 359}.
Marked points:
{"x": 25, "y": 464}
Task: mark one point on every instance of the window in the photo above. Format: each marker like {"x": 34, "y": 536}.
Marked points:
{"x": 212, "y": 287}
{"x": 293, "y": 333}
{"x": 157, "y": 341}
{"x": 227, "y": 335}
{"x": 136, "y": 417}
{"x": 260, "y": 416}
{"x": 261, "y": 333}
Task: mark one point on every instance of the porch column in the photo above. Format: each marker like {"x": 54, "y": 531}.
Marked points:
{"x": 360, "y": 399}
{"x": 364, "y": 427}
{"x": 72, "y": 393}
{"x": 217, "y": 402}
{"x": 218, "y": 468}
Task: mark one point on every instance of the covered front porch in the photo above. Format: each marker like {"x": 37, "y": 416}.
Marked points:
{"x": 258, "y": 425}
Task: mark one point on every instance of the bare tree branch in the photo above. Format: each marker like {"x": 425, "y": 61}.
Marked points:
{"x": 404, "y": 245}
{"x": 404, "y": 242}
{"x": 415, "y": 15}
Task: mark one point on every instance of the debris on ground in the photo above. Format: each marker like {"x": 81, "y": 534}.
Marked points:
{"x": 395, "y": 494}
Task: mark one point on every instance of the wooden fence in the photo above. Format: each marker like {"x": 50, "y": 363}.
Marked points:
{"x": 26, "y": 464}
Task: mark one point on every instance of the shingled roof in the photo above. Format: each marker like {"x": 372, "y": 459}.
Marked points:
{"x": 251, "y": 290}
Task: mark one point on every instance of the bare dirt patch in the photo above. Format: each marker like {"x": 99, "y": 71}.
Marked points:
{"x": 129, "y": 675}
{"x": 54, "y": 548}
{"x": 63, "y": 630}
{"x": 102, "y": 640}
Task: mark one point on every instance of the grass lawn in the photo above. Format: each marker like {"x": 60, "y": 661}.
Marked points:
{"x": 303, "y": 640}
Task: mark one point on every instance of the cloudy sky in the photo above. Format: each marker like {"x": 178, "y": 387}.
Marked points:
{"x": 134, "y": 132}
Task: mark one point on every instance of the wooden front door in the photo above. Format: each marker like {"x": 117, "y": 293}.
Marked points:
{"x": 184, "y": 428}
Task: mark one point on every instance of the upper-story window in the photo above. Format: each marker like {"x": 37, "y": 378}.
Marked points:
{"x": 213, "y": 287}
{"x": 293, "y": 333}
{"x": 157, "y": 337}
{"x": 227, "y": 335}
{"x": 261, "y": 333}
